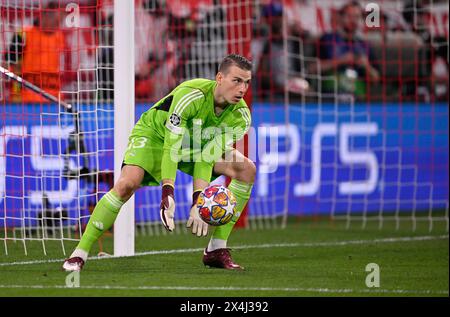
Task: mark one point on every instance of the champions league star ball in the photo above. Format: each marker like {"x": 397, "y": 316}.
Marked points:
{"x": 216, "y": 205}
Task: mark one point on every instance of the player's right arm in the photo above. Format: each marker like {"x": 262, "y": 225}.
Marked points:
{"x": 182, "y": 109}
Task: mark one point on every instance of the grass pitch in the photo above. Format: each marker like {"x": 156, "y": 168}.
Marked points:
{"x": 308, "y": 258}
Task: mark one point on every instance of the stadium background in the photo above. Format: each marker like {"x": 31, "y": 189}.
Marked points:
{"x": 358, "y": 173}
{"x": 396, "y": 128}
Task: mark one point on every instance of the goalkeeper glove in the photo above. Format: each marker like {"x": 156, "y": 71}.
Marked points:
{"x": 199, "y": 227}
{"x": 167, "y": 207}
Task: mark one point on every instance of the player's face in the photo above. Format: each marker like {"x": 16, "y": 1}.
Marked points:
{"x": 233, "y": 84}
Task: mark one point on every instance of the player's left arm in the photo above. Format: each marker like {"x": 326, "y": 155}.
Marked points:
{"x": 220, "y": 144}
{"x": 211, "y": 153}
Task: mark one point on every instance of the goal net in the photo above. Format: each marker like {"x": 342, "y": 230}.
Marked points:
{"x": 56, "y": 156}
{"x": 360, "y": 137}
{"x": 328, "y": 141}
{"x": 366, "y": 141}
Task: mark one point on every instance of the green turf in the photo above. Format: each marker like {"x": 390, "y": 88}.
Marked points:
{"x": 310, "y": 268}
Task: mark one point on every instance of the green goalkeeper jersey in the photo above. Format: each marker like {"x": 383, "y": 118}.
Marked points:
{"x": 189, "y": 129}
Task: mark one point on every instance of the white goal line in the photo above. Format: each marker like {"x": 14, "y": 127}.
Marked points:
{"x": 255, "y": 246}
{"x": 231, "y": 288}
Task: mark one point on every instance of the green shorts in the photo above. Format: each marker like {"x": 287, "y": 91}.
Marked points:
{"x": 146, "y": 151}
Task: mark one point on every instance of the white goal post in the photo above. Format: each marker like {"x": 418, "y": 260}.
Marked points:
{"x": 123, "y": 115}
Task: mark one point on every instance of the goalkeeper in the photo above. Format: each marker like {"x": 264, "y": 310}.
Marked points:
{"x": 191, "y": 129}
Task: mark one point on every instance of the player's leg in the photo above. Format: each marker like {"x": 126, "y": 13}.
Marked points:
{"x": 142, "y": 168}
{"x": 242, "y": 172}
{"x": 107, "y": 209}
{"x": 105, "y": 213}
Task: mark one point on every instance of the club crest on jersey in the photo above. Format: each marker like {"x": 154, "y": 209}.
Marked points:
{"x": 175, "y": 120}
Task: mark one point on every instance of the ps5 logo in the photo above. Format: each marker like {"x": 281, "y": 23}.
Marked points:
{"x": 271, "y": 158}
{"x": 39, "y": 160}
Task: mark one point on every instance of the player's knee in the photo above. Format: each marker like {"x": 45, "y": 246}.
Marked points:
{"x": 125, "y": 188}
{"x": 251, "y": 170}
{"x": 246, "y": 172}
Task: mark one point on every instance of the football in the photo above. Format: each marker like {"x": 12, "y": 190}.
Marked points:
{"x": 216, "y": 205}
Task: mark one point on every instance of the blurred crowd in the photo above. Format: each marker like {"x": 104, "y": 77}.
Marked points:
{"x": 306, "y": 49}
{"x": 397, "y": 50}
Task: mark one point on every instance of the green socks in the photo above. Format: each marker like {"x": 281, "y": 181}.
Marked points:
{"x": 107, "y": 209}
{"x": 102, "y": 218}
{"x": 241, "y": 192}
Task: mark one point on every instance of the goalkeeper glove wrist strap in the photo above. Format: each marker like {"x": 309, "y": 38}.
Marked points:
{"x": 195, "y": 196}
{"x": 167, "y": 190}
